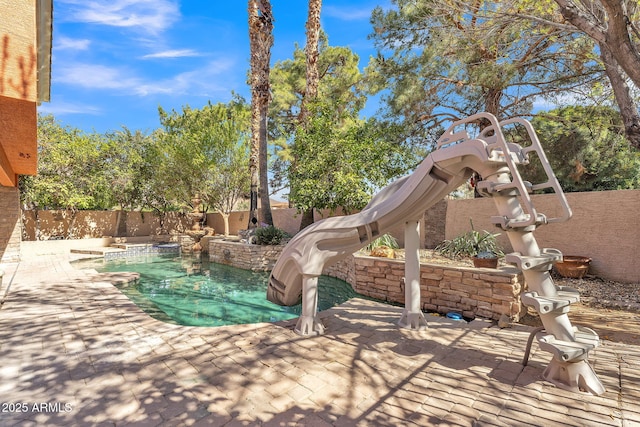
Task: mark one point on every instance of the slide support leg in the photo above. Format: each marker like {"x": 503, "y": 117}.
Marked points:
{"x": 308, "y": 322}
{"x": 412, "y": 317}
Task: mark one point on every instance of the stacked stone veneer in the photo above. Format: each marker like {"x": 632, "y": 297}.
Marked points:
{"x": 473, "y": 292}
{"x": 242, "y": 255}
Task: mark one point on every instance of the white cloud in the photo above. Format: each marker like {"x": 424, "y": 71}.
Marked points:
{"x": 561, "y": 99}
{"x": 202, "y": 81}
{"x": 66, "y": 43}
{"x": 61, "y": 108}
{"x": 347, "y": 13}
{"x": 175, "y": 53}
{"x": 152, "y": 16}
{"x": 94, "y": 77}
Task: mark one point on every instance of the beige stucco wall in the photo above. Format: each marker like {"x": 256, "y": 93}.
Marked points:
{"x": 18, "y": 49}
{"x": 51, "y": 224}
{"x": 604, "y": 226}
{"x": 285, "y": 219}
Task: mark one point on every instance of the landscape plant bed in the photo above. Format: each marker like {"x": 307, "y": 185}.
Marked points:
{"x": 600, "y": 293}
{"x": 594, "y": 291}
{"x": 431, "y": 256}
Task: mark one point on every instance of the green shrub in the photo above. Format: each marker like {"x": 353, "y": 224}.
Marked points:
{"x": 270, "y": 235}
{"x": 471, "y": 244}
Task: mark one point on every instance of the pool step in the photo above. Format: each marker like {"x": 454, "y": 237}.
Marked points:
{"x": 97, "y": 251}
{"x": 117, "y": 250}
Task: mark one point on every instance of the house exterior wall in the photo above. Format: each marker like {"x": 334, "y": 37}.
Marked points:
{"x": 18, "y": 55}
{"x": 18, "y": 90}
{"x": 10, "y": 225}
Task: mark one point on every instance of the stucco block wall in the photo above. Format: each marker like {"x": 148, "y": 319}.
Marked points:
{"x": 285, "y": 219}
{"x": 10, "y": 229}
{"x": 604, "y": 226}
{"x": 434, "y": 223}
{"x": 51, "y": 224}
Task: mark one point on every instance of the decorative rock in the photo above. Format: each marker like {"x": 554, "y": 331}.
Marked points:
{"x": 504, "y": 322}
{"x": 382, "y": 252}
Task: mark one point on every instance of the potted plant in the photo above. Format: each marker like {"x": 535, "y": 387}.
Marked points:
{"x": 573, "y": 266}
{"x": 482, "y": 247}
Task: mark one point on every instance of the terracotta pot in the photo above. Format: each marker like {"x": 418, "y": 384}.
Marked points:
{"x": 573, "y": 266}
{"x": 485, "y": 262}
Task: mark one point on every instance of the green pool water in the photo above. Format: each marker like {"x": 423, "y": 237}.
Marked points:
{"x": 192, "y": 291}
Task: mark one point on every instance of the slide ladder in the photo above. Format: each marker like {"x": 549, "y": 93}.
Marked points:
{"x": 457, "y": 156}
{"x": 519, "y": 218}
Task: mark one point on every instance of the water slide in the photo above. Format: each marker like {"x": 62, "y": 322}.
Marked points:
{"x": 456, "y": 157}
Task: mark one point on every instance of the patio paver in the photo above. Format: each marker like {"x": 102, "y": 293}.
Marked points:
{"x": 75, "y": 351}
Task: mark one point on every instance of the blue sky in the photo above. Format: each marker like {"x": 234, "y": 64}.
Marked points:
{"x": 114, "y": 62}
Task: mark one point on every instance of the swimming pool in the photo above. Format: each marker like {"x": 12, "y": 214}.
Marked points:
{"x": 191, "y": 291}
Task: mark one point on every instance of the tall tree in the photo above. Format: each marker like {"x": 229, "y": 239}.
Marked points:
{"x": 194, "y": 142}
{"x": 441, "y": 60}
{"x": 613, "y": 24}
{"x": 586, "y": 149}
{"x": 312, "y": 51}
{"x": 229, "y": 181}
{"x": 341, "y": 160}
{"x": 128, "y": 169}
{"x": 71, "y": 172}
{"x": 339, "y": 86}
{"x": 260, "y": 40}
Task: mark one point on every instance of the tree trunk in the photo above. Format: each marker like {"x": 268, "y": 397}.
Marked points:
{"x": 121, "y": 223}
{"x": 626, "y": 104}
{"x": 72, "y": 223}
{"x": 307, "y": 218}
{"x": 492, "y": 99}
{"x": 225, "y": 218}
{"x": 614, "y": 33}
{"x": 265, "y": 202}
{"x": 260, "y": 40}
{"x": 311, "y": 53}
{"x": 313, "y": 77}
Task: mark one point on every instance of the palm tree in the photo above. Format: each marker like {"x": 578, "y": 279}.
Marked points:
{"x": 313, "y": 78}
{"x": 260, "y": 41}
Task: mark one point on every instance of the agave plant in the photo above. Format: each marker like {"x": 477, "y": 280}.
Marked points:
{"x": 470, "y": 244}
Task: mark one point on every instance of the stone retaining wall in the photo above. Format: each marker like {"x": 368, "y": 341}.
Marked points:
{"x": 473, "y": 292}
{"x": 241, "y": 255}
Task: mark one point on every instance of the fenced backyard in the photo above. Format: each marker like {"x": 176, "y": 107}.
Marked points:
{"x": 604, "y": 227}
